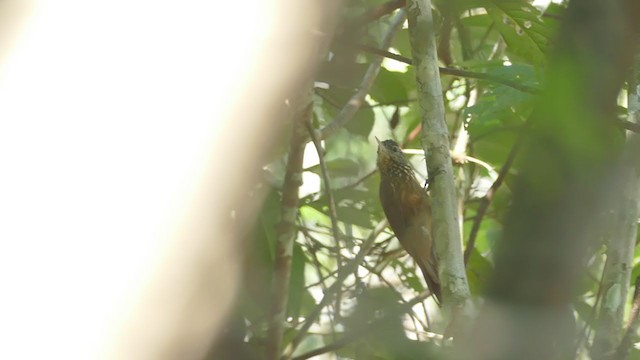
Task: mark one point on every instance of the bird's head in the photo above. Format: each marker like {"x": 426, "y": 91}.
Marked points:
{"x": 389, "y": 153}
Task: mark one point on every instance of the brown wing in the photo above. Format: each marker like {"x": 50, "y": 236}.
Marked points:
{"x": 409, "y": 216}
{"x": 392, "y": 208}
{"x": 428, "y": 261}
{"x": 419, "y": 244}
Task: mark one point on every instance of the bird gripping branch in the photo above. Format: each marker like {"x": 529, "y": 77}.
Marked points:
{"x": 408, "y": 208}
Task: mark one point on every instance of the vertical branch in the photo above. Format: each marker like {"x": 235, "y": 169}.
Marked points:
{"x": 286, "y": 231}
{"x": 333, "y": 211}
{"x": 435, "y": 141}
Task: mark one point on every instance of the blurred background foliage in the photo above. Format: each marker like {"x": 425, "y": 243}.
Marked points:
{"x": 376, "y": 312}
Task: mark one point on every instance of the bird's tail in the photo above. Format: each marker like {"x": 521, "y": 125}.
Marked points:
{"x": 429, "y": 269}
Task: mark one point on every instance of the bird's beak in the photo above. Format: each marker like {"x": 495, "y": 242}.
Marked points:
{"x": 382, "y": 151}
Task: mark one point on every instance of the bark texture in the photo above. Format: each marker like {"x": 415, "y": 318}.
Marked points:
{"x": 435, "y": 142}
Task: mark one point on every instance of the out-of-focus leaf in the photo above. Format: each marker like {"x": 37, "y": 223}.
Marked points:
{"x": 266, "y": 226}
{"x": 260, "y": 249}
{"x": 502, "y": 199}
{"x": 519, "y": 23}
{"x": 585, "y": 312}
{"x": 351, "y": 215}
{"x": 362, "y": 122}
{"x": 385, "y": 338}
{"x": 395, "y": 119}
{"x": 410, "y": 276}
{"x": 502, "y": 106}
{"x": 635, "y": 273}
{"x": 524, "y": 74}
{"x": 310, "y": 342}
{"x": 495, "y": 146}
{"x": 478, "y": 271}
{"x": 587, "y": 284}
{"x": 353, "y": 195}
{"x": 634, "y": 353}
{"x": 351, "y": 198}
{"x": 312, "y": 214}
{"x": 402, "y": 42}
{"x": 490, "y": 231}
{"x": 334, "y": 99}
{"x": 341, "y": 167}
{"x": 307, "y": 303}
{"x": 482, "y": 20}
{"x": 297, "y": 282}
{"x": 346, "y": 214}
{"x": 388, "y": 87}
{"x": 346, "y": 75}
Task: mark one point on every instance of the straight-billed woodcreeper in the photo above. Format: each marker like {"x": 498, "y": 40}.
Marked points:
{"x": 408, "y": 208}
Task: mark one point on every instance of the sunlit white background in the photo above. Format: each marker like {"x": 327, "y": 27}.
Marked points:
{"x": 113, "y": 118}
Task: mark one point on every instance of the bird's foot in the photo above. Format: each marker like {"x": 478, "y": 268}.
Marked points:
{"x": 428, "y": 182}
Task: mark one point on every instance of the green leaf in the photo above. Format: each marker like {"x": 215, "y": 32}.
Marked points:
{"x": 351, "y": 215}
{"x": 297, "y": 282}
{"x": 585, "y": 311}
{"x": 500, "y": 104}
{"x": 478, "y": 271}
{"x": 490, "y": 231}
{"x": 482, "y": 20}
{"x": 342, "y": 74}
{"x": 410, "y": 276}
{"x": 340, "y": 167}
{"x": 362, "y": 122}
{"x": 308, "y": 343}
{"x": 634, "y": 353}
{"x": 402, "y": 42}
{"x": 521, "y": 28}
{"x": 495, "y": 146}
{"x": 266, "y": 226}
{"x": 334, "y": 99}
{"x": 388, "y": 87}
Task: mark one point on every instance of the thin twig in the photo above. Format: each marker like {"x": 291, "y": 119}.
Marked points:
{"x": 333, "y": 211}
{"x": 452, "y": 71}
{"x": 318, "y": 267}
{"x": 483, "y": 40}
{"x": 313, "y": 253}
{"x": 355, "y": 335}
{"x": 628, "y": 125}
{"x": 414, "y": 317}
{"x": 376, "y": 13}
{"x": 586, "y": 331}
{"x": 486, "y": 200}
{"x": 352, "y": 185}
{"x": 348, "y": 269}
{"x": 393, "y": 102}
{"x": 632, "y": 325}
{"x": 356, "y": 101}
{"x": 286, "y": 232}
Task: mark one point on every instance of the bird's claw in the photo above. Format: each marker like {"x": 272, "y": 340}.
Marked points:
{"x": 429, "y": 181}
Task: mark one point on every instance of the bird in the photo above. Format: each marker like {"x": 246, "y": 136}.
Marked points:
{"x": 407, "y": 207}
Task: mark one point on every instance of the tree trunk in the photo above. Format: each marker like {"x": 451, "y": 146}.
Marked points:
{"x": 435, "y": 141}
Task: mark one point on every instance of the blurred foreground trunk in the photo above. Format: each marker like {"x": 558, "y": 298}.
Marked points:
{"x": 623, "y": 228}
{"x": 569, "y": 163}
